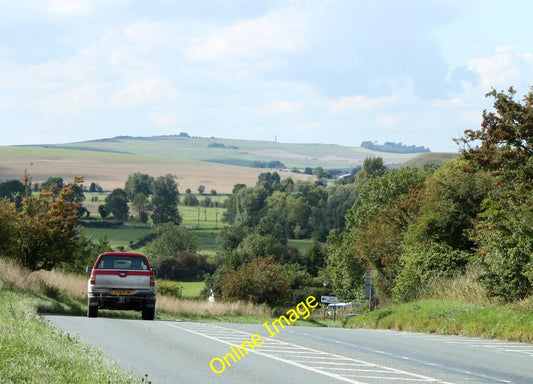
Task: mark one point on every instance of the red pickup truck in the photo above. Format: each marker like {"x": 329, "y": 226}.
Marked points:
{"x": 121, "y": 280}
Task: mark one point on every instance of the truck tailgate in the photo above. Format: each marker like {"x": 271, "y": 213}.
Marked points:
{"x": 112, "y": 279}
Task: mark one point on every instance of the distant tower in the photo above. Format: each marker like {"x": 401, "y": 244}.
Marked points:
{"x": 275, "y": 138}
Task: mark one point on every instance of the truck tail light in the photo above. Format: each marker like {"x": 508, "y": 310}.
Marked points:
{"x": 91, "y": 279}
{"x": 152, "y": 280}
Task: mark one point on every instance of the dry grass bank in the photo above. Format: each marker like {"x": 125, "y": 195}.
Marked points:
{"x": 15, "y": 277}
{"x": 205, "y": 309}
{"x": 59, "y": 284}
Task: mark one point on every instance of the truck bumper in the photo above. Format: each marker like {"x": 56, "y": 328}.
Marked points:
{"x": 121, "y": 302}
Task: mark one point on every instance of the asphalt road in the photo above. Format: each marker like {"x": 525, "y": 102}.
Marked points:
{"x": 181, "y": 352}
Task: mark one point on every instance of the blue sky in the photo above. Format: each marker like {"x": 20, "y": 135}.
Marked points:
{"x": 320, "y": 71}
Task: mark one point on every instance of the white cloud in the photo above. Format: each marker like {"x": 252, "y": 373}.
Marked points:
{"x": 508, "y": 67}
{"x": 388, "y": 121}
{"x": 167, "y": 119}
{"x": 360, "y": 103}
{"x": 144, "y": 91}
{"x": 281, "y": 31}
{"x": 399, "y": 91}
{"x": 284, "y": 107}
{"x": 70, "y": 7}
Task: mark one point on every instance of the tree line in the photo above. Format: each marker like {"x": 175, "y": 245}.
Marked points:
{"x": 475, "y": 212}
{"x": 409, "y": 225}
{"x": 392, "y": 147}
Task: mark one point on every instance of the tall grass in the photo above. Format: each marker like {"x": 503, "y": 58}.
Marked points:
{"x": 49, "y": 283}
{"x": 71, "y": 289}
{"x": 205, "y": 309}
{"x": 465, "y": 287}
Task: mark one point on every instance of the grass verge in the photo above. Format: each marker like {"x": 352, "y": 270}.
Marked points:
{"x": 512, "y": 322}
{"x": 32, "y": 351}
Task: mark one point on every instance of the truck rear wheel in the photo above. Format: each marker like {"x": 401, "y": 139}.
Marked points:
{"x": 148, "y": 313}
{"x": 92, "y": 311}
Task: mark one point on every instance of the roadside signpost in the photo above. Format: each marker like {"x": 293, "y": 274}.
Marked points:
{"x": 369, "y": 288}
{"x": 330, "y": 300}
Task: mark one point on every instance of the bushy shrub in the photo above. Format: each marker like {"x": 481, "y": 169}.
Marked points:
{"x": 184, "y": 267}
{"x": 421, "y": 264}
{"x": 260, "y": 281}
{"x": 505, "y": 238}
{"x": 169, "y": 288}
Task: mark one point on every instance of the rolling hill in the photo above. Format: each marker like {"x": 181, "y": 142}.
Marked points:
{"x": 215, "y": 163}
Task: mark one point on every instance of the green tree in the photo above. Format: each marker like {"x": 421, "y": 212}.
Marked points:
{"x": 77, "y": 195}
{"x": 245, "y": 205}
{"x": 344, "y": 272}
{"x": 172, "y": 250}
{"x": 185, "y": 266}
{"x": 449, "y": 205}
{"x": 94, "y": 187}
{"x": 230, "y": 237}
{"x": 103, "y": 211}
{"x": 260, "y": 281}
{"x": 319, "y": 172}
{"x": 298, "y": 213}
{"x": 339, "y": 200}
{"x": 315, "y": 258}
{"x": 372, "y": 167}
{"x": 374, "y": 230}
{"x": 189, "y": 200}
{"x": 85, "y": 253}
{"x": 165, "y": 200}
{"x": 138, "y": 183}
{"x": 256, "y": 245}
{"x": 170, "y": 240}
{"x": 142, "y": 204}
{"x": 43, "y": 233}
{"x": 12, "y": 190}
{"x": 54, "y": 184}
{"x": 503, "y": 146}
{"x": 269, "y": 180}
{"x": 117, "y": 204}
{"x": 138, "y": 188}
{"x": 8, "y": 227}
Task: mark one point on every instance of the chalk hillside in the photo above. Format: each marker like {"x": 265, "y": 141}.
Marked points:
{"x": 215, "y": 163}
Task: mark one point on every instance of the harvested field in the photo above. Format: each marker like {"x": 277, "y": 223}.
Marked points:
{"x": 111, "y": 170}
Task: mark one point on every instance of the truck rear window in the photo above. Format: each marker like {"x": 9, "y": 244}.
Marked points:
{"x": 122, "y": 262}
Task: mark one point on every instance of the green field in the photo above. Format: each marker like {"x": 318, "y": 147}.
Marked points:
{"x": 121, "y": 237}
{"x": 302, "y": 245}
{"x": 192, "y": 289}
{"x": 204, "y": 223}
{"x": 201, "y": 217}
{"x": 230, "y": 151}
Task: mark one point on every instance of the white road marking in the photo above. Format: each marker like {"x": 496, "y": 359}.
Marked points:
{"x": 493, "y": 345}
{"x": 324, "y": 363}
